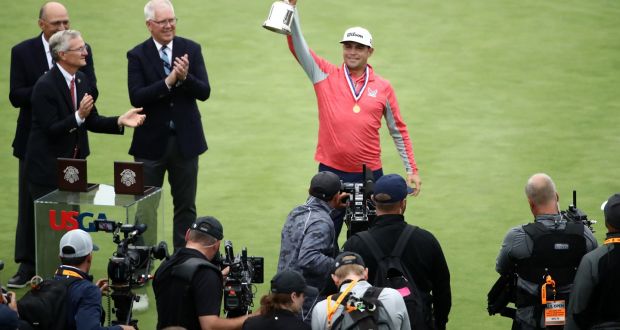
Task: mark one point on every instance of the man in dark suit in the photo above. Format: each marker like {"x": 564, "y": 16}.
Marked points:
{"x": 63, "y": 112}
{"x": 29, "y": 60}
{"x": 166, "y": 75}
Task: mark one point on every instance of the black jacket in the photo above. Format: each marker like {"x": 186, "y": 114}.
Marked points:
{"x": 147, "y": 89}
{"x": 28, "y": 64}
{"x": 279, "y": 320}
{"x": 55, "y": 132}
{"x": 423, "y": 258}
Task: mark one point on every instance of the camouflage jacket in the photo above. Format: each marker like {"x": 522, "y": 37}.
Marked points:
{"x": 307, "y": 243}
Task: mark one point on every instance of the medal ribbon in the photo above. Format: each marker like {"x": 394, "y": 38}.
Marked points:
{"x": 356, "y": 95}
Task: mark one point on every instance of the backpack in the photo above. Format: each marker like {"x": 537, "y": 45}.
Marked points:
{"x": 45, "y": 305}
{"x": 176, "y": 275}
{"x": 365, "y": 313}
{"x": 393, "y": 274}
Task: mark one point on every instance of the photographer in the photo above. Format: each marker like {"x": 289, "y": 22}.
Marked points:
{"x": 423, "y": 260}
{"x": 594, "y": 301}
{"x": 549, "y": 246}
{"x": 193, "y": 301}
{"x": 84, "y": 309}
{"x": 279, "y": 309}
{"x": 308, "y": 234}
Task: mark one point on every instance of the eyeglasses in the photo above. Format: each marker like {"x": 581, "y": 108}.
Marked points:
{"x": 82, "y": 49}
{"x": 164, "y": 22}
{"x": 58, "y": 23}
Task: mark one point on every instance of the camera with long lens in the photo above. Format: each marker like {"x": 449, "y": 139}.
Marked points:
{"x": 238, "y": 285}
{"x": 129, "y": 265}
{"x": 360, "y": 210}
{"x": 573, "y": 214}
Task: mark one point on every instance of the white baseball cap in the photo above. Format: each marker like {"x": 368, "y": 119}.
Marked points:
{"x": 76, "y": 243}
{"x": 359, "y": 35}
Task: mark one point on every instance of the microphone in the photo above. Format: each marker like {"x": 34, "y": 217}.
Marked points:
{"x": 229, "y": 251}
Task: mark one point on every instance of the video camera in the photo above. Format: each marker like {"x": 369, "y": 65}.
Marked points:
{"x": 129, "y": 266}
{"x": 573, "y": 214}
{"x": 360, "y": 210}
{"x": 503, "y": 291}
{"x": 238, "y": 289}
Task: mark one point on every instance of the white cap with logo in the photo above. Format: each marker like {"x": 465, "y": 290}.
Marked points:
{"x": 76, "y": 243}
{"x": 359, "y": 35}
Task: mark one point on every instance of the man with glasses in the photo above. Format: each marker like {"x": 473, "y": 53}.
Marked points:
{"x": 29, "y": 60}
{"x": 166, "y": 75}
{"x": 62, "y": 112}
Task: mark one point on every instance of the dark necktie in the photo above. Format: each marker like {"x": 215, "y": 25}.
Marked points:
{"x": 166, "y": 60}
{"x": 72, "y": 90}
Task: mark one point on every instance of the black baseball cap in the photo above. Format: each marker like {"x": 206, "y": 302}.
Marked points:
{"x": 612, "y": 211}
{"x": 325, "y": 185}
{"x": 209, "y": 225}
{"x": 394, "y": 186}
{"x": 352, "y": 258}
{"x": 289, "y": 281}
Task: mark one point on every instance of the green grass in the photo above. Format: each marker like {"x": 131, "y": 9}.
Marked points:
{"x": 492, "y": 91}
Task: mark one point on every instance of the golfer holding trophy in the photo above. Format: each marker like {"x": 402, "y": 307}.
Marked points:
{"x": 352, "y": 100}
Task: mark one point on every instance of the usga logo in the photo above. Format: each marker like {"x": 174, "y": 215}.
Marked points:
{"x": 70, "y": 220}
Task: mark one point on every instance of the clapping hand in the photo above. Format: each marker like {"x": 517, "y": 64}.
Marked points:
{"x": 131, "y": 118}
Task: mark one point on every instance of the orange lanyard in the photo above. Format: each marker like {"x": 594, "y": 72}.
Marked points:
{"x": 332, "y": 309}
{"x": 543, "y": 289}
{"x": 612, "y": 240}
{"x": 67, "y": 272}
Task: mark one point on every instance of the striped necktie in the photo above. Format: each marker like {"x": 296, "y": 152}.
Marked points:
{"x": 166, "y": 60}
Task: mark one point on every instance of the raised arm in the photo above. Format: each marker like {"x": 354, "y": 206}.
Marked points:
{"x": 316, "y": 68}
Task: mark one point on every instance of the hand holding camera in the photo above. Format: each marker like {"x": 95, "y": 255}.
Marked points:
{"x": 8, "y": 297}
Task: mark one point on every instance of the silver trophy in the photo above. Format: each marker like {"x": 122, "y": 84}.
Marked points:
{"x": 280, "y": 17}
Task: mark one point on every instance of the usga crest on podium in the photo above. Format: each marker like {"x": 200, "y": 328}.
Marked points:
{"x": 76, "y": 204}
{"x": 129, "y": 178}
{"x": 72, "y": 175}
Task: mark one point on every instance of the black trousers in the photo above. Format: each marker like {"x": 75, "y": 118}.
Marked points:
{"x": 182, "y": 177}
{"x": 24, "y": 233}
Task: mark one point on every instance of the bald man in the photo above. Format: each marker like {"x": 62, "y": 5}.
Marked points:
{"x": 548, "y": 246}
{"x": 29, "y": 60}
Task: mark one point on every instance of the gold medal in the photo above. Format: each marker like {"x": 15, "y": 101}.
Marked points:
{"x": 356, "y": 95}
